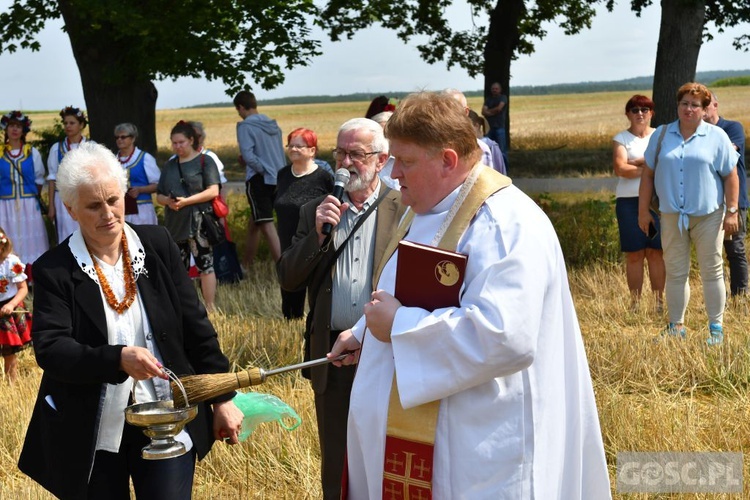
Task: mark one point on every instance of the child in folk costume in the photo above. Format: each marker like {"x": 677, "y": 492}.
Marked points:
{"x": 15, "y": 321}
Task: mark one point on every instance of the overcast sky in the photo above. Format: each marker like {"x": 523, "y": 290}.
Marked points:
{"x": 619, "y": 45}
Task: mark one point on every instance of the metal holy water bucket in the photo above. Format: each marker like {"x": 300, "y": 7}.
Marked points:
{"x": 161, "y": 422}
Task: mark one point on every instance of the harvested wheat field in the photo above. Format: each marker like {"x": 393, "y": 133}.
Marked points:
{"x": 673, "y": 395}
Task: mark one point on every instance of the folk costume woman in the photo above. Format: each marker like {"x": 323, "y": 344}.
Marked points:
{"x": 114, "y": 305}
{"x": 21, "y": 181}
{"x": 143, "y": 174}
{"x": 74, "y": 121}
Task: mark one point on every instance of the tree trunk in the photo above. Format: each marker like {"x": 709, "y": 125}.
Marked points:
{"x": 502, "y": 40}
{"x": 680, "y": 39}
{"x": 113, "y": 94}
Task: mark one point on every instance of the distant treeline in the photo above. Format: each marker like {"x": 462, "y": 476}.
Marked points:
{"x": 718, "y": 78}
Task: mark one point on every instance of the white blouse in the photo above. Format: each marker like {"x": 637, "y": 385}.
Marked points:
{"x": 131, "y": 328}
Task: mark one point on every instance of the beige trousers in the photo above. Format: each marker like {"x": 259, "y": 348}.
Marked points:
{"x": 707, "y": 234}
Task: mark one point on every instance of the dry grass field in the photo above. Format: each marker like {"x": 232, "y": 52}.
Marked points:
{"x": 667, "y": 396}
{"x": 677, "y": 395}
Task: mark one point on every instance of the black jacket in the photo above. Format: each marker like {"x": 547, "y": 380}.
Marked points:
{"x": 70, "y": 342}
{"x": 304, "y": 262}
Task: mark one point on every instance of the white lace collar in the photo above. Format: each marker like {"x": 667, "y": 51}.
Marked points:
{"x": 81, "y": 253}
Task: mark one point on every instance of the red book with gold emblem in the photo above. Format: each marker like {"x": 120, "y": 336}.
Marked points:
{"x": 131, "y": 205}
{"x": 427, "y": 276}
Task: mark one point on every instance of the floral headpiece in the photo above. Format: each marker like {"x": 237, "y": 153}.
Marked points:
{"x": 3, "y": 239}
{"x": 71, "y": 111}
{"x": 16, "y": 116}
{"x": 391, "y": 106}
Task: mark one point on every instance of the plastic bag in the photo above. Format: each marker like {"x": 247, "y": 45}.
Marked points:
{"x": 258, "y": 408}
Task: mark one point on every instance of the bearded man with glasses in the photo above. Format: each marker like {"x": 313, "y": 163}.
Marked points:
{"x": 337, "y": 271}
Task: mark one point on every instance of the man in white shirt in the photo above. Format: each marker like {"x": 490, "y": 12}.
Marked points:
{"x": 498, "y": 386}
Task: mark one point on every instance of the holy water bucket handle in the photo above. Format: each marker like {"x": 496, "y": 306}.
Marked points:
{"x": 173, "y": 378}
{"x": 178, "y": 383}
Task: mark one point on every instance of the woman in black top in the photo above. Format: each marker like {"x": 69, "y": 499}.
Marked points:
{"x": 298, "y": 183}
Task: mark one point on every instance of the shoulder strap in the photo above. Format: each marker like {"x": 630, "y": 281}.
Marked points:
{"x": 182, "y": 177}
{"x": 359, "y": 223}
{"x": 314, "y": 287}
{"x": 658, "y": 144}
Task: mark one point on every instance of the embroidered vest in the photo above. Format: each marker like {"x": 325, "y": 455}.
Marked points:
{"x": 137, "y": 176}
{"x": 13, "y": 185}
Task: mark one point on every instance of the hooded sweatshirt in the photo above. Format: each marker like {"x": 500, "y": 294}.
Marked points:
{"x": 261, "y": 147}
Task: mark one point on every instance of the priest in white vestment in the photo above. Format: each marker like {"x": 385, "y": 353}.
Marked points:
{"x": 517, "y": 417}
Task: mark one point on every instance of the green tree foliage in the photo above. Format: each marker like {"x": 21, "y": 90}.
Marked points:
{"x": 486, "y": 48}
{"x": 685, "y": 24}
{"x": 122, "y": 47}
{"x": 737, "y": 81}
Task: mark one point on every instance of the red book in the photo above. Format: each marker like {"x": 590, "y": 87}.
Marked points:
{"x": 427, "y": 276}
{"x": 131, "y": 205}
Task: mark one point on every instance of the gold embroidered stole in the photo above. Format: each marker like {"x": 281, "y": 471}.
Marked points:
{"x": 410, "y": 437}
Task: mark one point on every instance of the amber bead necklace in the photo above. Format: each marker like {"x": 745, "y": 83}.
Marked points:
{"x": 129, "y": 278}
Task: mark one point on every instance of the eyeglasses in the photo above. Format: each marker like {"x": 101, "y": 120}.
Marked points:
{"x": 691, "y": 105}
{"x": 354, "y": 156}
{"x": 637, "y": 110}
{"x": 294, "y": 146}
{"x": 123, "y": 136}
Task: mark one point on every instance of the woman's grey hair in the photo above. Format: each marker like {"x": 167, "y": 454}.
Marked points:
{"x": 128, "y": 129}
{"x": 382, "y": 117}
{"x": 379, "y": 142}
{"x": 89, "y": 164}
{"x": 200, "y": 132}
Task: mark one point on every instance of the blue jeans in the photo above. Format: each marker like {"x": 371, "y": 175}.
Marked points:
{"x": 737, "y": 257}
{"x": 498, "y": 135}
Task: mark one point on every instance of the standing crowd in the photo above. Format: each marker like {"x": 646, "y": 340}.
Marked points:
{"x": 487, "y": 397}
{"x": 683, "y": 183}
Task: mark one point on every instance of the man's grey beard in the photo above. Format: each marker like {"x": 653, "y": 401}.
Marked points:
{"x": 359, "y": 183}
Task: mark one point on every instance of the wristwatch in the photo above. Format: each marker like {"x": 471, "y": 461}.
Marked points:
{"x": 732, "y": 210}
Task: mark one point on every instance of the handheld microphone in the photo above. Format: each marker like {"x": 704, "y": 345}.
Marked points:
{"x": 342, "y": 179}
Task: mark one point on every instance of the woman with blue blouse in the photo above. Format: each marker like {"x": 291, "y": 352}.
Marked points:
{"x": 692, "y": 167}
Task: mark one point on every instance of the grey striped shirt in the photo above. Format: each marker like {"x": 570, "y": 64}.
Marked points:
{"x": 352, "y": 281}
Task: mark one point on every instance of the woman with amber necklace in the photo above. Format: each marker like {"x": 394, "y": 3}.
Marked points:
{"x": 113, "y": 305}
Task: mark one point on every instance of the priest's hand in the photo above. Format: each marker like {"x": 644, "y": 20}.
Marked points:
{"x": 346, "y": 342}
{"x": 379, "y": 313}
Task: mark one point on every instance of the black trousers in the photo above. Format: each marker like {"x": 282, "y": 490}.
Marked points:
{"x": 293, "y": 304}
{"x": 332, "y": 410}
{"x": 170, "y": 479}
